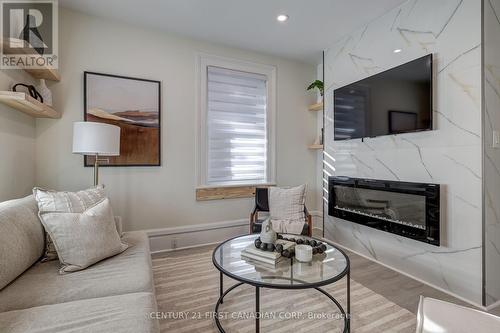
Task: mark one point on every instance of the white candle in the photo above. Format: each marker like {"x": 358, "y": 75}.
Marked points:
{"x": 303, "y": 253}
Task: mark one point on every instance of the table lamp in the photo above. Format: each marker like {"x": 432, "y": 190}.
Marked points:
{"x": 96, "y": 139}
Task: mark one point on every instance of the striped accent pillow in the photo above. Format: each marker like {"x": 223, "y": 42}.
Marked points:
{"x": 65, "y": 202}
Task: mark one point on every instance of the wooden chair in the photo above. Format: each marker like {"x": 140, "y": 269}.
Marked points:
{"x": 262, "y": 205}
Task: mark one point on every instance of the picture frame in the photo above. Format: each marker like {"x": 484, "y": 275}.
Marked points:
{"x": 133, "y": 104}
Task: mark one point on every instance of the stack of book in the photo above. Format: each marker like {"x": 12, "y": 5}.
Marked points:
{"x": 266, "y": 257}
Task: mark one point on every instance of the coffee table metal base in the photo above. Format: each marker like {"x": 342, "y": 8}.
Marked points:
{"x": 347, "y": 321}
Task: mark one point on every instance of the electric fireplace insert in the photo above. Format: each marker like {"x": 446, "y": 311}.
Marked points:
{"x": 407, "y": 209}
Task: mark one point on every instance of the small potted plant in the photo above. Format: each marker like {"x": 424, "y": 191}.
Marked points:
{"x": 318, "y": 84}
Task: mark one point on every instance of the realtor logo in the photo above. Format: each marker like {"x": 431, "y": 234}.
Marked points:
{"x": 28, "y": 34}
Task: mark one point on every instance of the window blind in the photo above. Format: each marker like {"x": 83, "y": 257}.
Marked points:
{"x": 236, "y": 127}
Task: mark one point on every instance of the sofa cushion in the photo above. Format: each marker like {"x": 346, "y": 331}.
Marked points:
{"x": 129, "y": 313}
{"x": 21, "y": 238}
{"x": 127, "y": 272}
{"x": 82, "y": 239}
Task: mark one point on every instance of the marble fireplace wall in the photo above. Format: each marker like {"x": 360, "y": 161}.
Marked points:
{"x": 491, "y": 155}
{"x": 450, "y": 155}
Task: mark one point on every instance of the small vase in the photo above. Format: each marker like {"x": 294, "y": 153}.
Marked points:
{"x": 45, "y": 92}
{"x": 267, "y": 234}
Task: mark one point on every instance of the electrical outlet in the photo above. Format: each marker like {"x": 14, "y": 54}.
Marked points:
{"x": 174, "y": 243}
{"x": 496, "y": 139}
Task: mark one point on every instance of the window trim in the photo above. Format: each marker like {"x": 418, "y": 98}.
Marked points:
{"x": 202, "y": 63}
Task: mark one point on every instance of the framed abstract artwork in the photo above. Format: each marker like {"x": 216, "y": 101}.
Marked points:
{"x": 132, "y": 104}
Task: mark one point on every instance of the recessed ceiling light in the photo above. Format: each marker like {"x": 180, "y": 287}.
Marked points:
{"x": 282, "y": 18}
{"x": 397, "y": 50}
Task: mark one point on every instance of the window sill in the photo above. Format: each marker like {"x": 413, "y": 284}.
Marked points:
{"x": 227, "y": 192}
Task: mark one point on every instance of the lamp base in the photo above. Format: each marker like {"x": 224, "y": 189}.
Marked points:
{"x": 96, "y": 170}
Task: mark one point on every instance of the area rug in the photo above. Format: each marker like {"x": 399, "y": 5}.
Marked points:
{"x": 187, "y": 288}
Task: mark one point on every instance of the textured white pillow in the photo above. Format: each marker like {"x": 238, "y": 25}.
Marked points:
{"x": 287, "y": 203}
{"x": 82, "y": 239}
{"x": 68, "y": 202}
{"x": 65, "y": 202}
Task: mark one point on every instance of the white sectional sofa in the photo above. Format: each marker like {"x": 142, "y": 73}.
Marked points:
{"x": 114, "y": 295}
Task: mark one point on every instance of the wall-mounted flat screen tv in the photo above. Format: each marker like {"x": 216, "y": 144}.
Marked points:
{"x": 398, "y": 100}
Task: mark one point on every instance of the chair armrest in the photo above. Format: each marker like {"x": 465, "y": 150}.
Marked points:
{"x": 306, "y": 212}
{"x": 254, "y": 215}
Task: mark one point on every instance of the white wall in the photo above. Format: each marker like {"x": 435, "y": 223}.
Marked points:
{"x": 17, "y": 144}
{"x": 158, "y": 197}
{"x": 450, "y": 155}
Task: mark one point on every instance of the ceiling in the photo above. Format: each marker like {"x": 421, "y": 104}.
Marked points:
{"x": 249, "y": 24}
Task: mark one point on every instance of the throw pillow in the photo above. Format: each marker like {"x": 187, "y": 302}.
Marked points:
{"x": 83, "y": 239}
{"x": 287, "y": 203}
{"x": 65, "y": 202}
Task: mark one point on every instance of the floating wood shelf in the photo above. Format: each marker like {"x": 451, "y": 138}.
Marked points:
{"x": 27, "y": 104}
{"x": 316, "y": 107}
{"x": 46, "y": 73}
{"x": 315, "y": 146}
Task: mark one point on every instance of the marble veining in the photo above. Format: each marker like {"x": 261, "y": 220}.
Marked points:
{"x": 456, "y": 125}
{"x": 420, "y": 155}
{"x": 448, "y": 155}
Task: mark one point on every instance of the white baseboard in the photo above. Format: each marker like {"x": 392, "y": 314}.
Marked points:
{"x": 412, "y": 277}
{"x": 176, "y": 238}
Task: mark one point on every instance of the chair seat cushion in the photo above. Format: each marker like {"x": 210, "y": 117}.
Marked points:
{"x": 129, "y": 313}
{"x": 257, "y": 227}
{"x": 127, "y": 272}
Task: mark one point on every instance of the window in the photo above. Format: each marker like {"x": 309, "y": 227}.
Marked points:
{"x": 237, "y": 118}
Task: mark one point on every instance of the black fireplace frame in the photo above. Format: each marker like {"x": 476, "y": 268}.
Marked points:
{"x": 430, "y": 235}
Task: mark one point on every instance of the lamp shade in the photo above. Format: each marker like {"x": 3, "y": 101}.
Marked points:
{"x": 90, "y": 138}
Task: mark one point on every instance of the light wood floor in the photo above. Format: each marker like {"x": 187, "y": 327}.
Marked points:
{"x": 396, "y": 287}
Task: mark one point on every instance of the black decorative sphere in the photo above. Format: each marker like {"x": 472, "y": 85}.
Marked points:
{"x": 280, "y": 236}
{"x": 315, "y": 250}
{"x": 323, "y": 247}
{"x": 279, "y": 248}
{"x": 257, "y": 243}
{"x": 286, "y": 254}
{"x": 320, "y": 250}
{"x": 263, "y": 246}
{"x": 313, "y": 243}
{"x": 270, "y": 247}
{"x": 307, "y": 242}
{"x": 299, "y": 241}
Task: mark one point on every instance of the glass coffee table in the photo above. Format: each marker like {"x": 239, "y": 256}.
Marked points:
{"x": 324, "y": 269}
